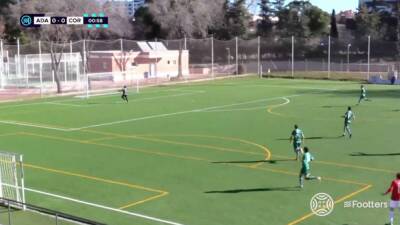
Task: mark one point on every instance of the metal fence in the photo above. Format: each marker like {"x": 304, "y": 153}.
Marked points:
{"x": 33, "y": 214}
{"x": 36, "y": 68}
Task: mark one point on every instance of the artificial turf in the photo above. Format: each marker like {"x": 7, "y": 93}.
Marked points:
{"x": 214, "y": 152}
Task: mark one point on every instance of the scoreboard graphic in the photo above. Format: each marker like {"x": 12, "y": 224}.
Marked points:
{"x": 92, "y": 20}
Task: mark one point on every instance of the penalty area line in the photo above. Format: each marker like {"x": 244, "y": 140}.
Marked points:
{"x": 103, "y": 207}
{"x": 307, "y": 216}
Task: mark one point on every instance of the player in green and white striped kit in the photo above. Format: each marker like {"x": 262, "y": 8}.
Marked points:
{"x": 305, "y": 168}
{"x": 363, "y": 95}
{"x": 297, "y": 137}
{"x": 348, "y": 117}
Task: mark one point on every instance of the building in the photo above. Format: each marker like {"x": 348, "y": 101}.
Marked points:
{"x": 145, "y": 60}
{"x": 127, "y": 6}
{"x": 343, "y": 16}
{"x": 387, "y": 6}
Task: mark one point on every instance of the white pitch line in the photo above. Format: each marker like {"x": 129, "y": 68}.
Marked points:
{"x": 103, "y": 207}
{"x": 289, "y": 87}
{"x": 25, "y": 124}
{"x": 160, "y": 97}
{"x": 146, "y": 117}
{"x": 20, "y": 105}
{"x": 178, "y": 113}
{"x": 65, "y": 104}
{"x": 287, "y": 101}
{"x": 108, "y": 95}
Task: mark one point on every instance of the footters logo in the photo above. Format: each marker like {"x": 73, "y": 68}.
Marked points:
{"x": 322, "y": 204}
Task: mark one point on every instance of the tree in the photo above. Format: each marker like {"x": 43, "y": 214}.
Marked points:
{"x": 302, "y": 19}
{"x": 318, "y": 21}
{"x": 220, "y": 28}
{"x": 2, "y": 27}
{"x": 146, "y": 28}
{"x": 4, "y": 4}
{"x": 367, "y": 23}
{"x": 264, "y": 28}
{"x": 237, "y": 18}
{"x": 278, "y": 5}
{"x": 182, "y": 18}
{"x": 55, "y": 37}
{"x": 8, "y": 30}
{"x": 334, "y": 31}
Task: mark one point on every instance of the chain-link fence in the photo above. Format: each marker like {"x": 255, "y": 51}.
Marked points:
{"x": 41, "y": 67}
{"x": 37, "y": 215}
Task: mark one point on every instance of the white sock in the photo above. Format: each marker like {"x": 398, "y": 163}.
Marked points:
{"x": 391, "y": 216}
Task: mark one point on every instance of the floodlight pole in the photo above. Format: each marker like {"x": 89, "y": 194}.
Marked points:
{"x": 155, "y": 62}
{"x": 329, "y": 56}
{"x": 1, "y": 64}
{"x": 348, "y": 57}
{"x": 212, "y": 56}
{"x": 292, "y": 56}
{"x": 369, "y": 56}
{"x": 259, "y": 57}
{"x": 121, "y": 42}
{"x": 229, "y": 56}
{"x": 19, "y": 59}
{"x": 237, "y": 54}
{"x": 40, "y": 68}
{"x": 84, "y": 69}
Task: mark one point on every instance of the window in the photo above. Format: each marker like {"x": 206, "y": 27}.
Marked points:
{"x": 168, "y": 62}
{"x": 105, "y": 65}
{"x": 174, "y": 62}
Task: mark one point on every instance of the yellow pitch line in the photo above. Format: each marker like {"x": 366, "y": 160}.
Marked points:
{"x": 201, "y": 159}
{"x": 357, "y": 167}
{"x": 297, "y": 174}
{"x": 305, "y": 217}
{"x": 260, "y": 163}
{"x": 133, "y": 186}
{"x": 144, "y": 200}
{"x": 344, "y": 165}
{"x": 100, "y": 139}
{"x": 353, "y": 194}
{"x": 186, "y": 157}
{"x": 9, "y": 134}
{"x": 269, "y": 110}
{"x": 182, "y": 143}
{"x": 256, "y": 165}
{"x": 267, "y": 152}
{"x": 117, "y": 147}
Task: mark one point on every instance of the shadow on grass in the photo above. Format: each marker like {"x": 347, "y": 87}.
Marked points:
{"x": 106, "y": 103}
{"x": 255, "y": 161}
{"x": 384, "y": 92}
{"x": 313, "y": 138}
{"x": 374, "y": 154}
{"x": 237, "y": 191}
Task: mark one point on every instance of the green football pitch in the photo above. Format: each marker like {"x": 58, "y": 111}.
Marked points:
{"x": 214, "y": 152}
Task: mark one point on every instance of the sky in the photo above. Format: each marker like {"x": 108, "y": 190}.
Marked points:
{"x": 338, "y": 5}
{"x": 328, "y": 5}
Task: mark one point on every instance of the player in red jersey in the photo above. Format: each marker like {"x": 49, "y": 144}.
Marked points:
{"x": 395, "y": 199}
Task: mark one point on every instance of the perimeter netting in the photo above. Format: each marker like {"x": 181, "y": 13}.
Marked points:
{"x": 12, "y": 179}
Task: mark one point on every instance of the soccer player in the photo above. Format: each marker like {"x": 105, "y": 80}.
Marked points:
{"x": 305, "y": 168}
{"x": 363, "y": 95}
{"x": 297, "y": 137}
{"x": 348, "y": 117}
{"x": 124, "y": 95}
{"x": 395, "y": 198}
